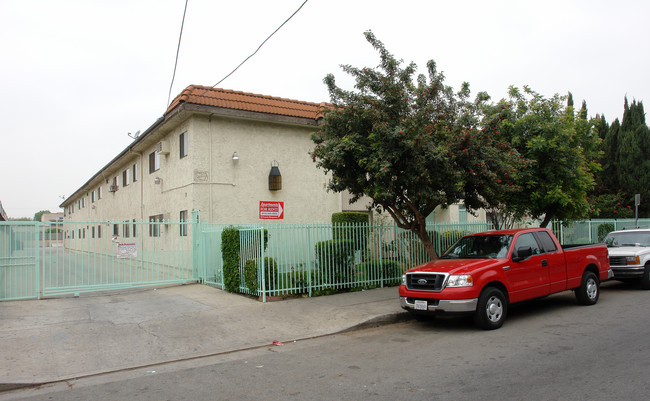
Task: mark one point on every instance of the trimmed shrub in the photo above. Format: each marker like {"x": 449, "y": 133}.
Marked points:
{"x": 603, "y": 230}
{"x": 230, "y": 254}
{"x": 351, "y": 226}
{"x": 251, "y": 274}
{"x": 385, "y": 269}
{"x": 335, "y": 260}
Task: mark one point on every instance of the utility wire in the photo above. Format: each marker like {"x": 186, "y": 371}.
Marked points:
{"x": 259, "y": 47}
{"x": 177, "y": 51}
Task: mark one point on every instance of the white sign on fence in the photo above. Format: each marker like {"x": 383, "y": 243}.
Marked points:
{"x": 126, "y": 251}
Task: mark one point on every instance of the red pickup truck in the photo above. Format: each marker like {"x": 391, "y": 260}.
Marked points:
{"x": 483, "y": 273}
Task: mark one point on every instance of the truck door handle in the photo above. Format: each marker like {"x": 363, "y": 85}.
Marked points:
{"x": 544, "y": 262}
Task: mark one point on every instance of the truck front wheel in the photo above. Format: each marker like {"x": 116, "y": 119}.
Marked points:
{"x": 589, "y": 290}
{"x": 645, "y": 280}
{"x": 491, "y": 310}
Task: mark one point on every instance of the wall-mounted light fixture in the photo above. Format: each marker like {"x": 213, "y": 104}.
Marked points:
{"x": 157, "y": 180}
{"x": 235, "y": 156}
{"x": 275, "y": 179}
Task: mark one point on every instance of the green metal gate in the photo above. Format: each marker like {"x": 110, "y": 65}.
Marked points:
{"x": 69, "y": 258}
{"x": 19, "y": 260}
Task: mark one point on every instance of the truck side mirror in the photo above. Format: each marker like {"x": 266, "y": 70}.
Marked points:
{"x": 522, "y": 253}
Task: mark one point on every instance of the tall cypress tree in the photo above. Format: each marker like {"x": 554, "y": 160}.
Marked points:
{"x": 609, "y": 172}
{"x": 633, "y": 165}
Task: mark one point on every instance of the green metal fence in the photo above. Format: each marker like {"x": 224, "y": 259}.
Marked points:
{"x": 592, "y": 231}
{"x": 41, "y": 260}
{"x": 309, "y": 258}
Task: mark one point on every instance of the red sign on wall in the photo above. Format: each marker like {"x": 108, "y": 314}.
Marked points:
{"x": 271, "y": 210}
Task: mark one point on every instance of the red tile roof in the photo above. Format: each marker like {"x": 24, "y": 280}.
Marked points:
{"x": 229, "y": 99}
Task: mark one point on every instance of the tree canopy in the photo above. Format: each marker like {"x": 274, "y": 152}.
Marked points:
{"x": 39, "y": 214}
{"x": 560, "y": 152}
{"x": 411, "y": 145}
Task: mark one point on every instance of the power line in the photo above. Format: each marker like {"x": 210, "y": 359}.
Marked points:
{"x": 177, "y": 51}
{"x": 259, "y": 47}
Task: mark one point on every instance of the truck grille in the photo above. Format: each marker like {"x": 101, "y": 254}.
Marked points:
{"x": 425, "y": 282}
{"x": 617, "y": 261}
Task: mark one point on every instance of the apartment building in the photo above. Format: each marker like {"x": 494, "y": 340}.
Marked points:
{"x": 236, "y": 157}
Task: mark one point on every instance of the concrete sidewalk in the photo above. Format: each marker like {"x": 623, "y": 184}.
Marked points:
{"x": 57, "y": 339}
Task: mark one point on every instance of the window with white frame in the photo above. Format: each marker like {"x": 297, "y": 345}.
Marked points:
{"x": 154, "y": 225}
{"x": 135, "y": 172}
{"x": 182, "y": 145}
{"x": 183, "y": 223}
{"x": 154, "y": 162}
{"x": 126, "y": 177}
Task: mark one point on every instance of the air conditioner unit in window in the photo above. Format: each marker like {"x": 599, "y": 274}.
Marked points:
{"x": 112, "y": 188}
{"x": 162, "y": 148}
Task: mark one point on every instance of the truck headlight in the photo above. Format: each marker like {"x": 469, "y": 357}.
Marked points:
{"x": 460, "y": 280}
{"x": 403, "y": 279}
{"x": 632, "y": 260}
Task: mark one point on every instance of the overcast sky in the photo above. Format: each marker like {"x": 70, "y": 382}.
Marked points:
{"x": 77, "y": 76}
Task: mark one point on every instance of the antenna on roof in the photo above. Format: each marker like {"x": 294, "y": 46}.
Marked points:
{"x": 134, "y": 136}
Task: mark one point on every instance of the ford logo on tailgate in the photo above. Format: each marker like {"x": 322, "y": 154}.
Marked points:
{"x": 422, "y": 281}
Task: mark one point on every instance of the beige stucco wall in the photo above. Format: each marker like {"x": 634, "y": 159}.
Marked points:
{"x": 209, "y": 180}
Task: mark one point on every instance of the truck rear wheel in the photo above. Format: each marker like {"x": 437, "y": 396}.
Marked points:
{"x": 589, "y": 290}
{"x": 491, "y": 310}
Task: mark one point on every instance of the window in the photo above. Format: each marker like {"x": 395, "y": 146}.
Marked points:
{"x": 125, "y": 230}
{"x": 99, "y": 231}
{"x": 126, "y": 177}
{"x": 134, "y": 228}
{"x": 135, "y": 172}
{"x": 182, "y": 145}
{"x": 99, "y": 192}
{"x": 92, "y": 197}
{"x": 183, "y": 223}
{"x": 154, "y": 225}
{"x": 92, "y": 232}
{"x": 462, "y": 213}
{"x": 154, "y": 162}
{"x": 526, "y": 240}
{"x": 546, "y": 241}
{"x": 116, "y": 229}
{"x": 83, "y": 202}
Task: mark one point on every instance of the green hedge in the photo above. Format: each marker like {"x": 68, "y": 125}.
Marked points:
{"x": 603, "y": 230}
{"x": 385, "y": 269}
{"x": 230, "y": 254}
{"x": 230, "y": 251}
{"x": 251, "y": 274}
{"x": 351, "y": 226}
{"x": 335, "y": 260}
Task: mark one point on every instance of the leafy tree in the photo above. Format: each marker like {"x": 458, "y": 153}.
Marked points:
{"x": 38, "y": 215}
{"x": 609, "y": 175}
{"x": 633, "y": 162}
{"x": 611, "y": 206}
{"x": 410, "y": 145}
{"x": 560, "y": 155}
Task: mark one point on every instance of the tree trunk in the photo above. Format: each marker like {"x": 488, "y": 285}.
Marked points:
{"x": 547, "y": 219}
{"x": 423, "y": 234}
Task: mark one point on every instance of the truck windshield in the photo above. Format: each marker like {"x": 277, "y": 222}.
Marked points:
{"x": 479, "y": 247}
{"x": 639, "y": 238}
